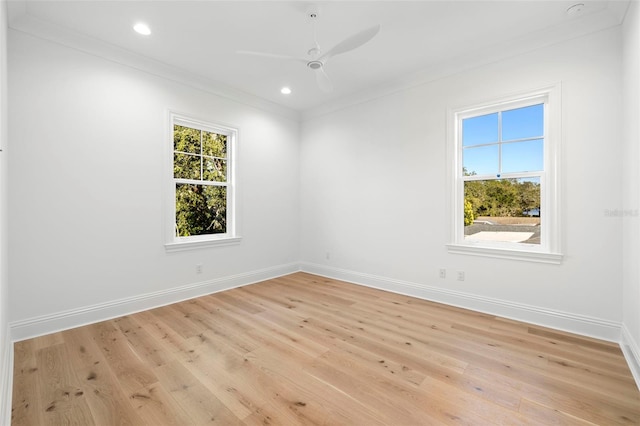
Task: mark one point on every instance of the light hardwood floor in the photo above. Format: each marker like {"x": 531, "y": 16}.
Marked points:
{"x": 303, "y": 349}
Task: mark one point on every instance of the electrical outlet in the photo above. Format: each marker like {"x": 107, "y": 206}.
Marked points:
{"x": 460, "y": 275}
{"x": 199, "y": 268}
{"x": 442, "y": 273}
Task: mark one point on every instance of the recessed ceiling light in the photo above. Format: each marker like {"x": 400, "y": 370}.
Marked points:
{"x": 142, "y": 28}
{"x": 285, "y": 91}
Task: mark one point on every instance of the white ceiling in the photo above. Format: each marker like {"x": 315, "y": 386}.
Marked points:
{"x": 418, "y": 40}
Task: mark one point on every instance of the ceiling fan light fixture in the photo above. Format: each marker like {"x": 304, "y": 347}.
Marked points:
{"x": 142, "y": 28}
{"x": 316, "y": 58}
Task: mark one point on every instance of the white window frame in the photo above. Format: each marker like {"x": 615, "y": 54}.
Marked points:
{"x": 174, "y": 242}
{"x": 548, "y": 251}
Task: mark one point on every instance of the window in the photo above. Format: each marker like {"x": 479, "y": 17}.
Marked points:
{"x": 504, "y": 179}
{"x": 202, "y": 184}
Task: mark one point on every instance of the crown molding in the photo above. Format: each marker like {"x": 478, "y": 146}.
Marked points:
{"x": 20, "y": 20}
{"x": 612, "y": 16}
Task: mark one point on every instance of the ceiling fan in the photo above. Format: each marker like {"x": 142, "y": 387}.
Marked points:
{"x": 316, "y": 58}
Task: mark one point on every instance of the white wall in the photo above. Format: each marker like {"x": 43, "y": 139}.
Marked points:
{"x": 362, "y": 198}
{"x": 373, "y": 192}
{"x": 88, "y": 146}
{"x": 6, "y": 348}
{"x": 631, "y": 188}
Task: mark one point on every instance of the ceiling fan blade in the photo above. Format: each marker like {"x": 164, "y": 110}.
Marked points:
{"x": 352, "y": 42}
{"x": 271, "y": 55}
{"x": 323, "y": 80}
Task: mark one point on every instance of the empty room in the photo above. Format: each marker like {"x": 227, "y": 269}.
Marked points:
{"x": 336, "y": 213}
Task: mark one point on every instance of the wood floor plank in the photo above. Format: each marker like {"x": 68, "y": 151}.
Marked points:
{"x": 524, "y": 353}
{"x": 143, "y": 344}
{"x": 548, "y": 416}
{"x": 221, "y": 378}
{"x": 27, "y": 404}
{"x": 608, "y": 361}
{"x": 597, "y": 410}
{"x": 154, "y": 404}
{"x": 166, "y": 336}
{"x": 99, "y": 383}
{"x": 264, "y": 332}
{"x": 256, "y": 389}
{"x": 61, "y": 388}
{"x": 361, "y": 390}
{"x": 239, "y": 302}
{"x": 477, "y": 410}
{"x": 194, "y": 398}
{"x": 317, "y": 402}
{"x": 122, "y": 358}
{"x": 303, "y": 349}
{"x": 180, "y": 319}
{"x": 221, "y": 323}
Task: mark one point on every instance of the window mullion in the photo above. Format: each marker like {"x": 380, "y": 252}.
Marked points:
{"x": 533, "y": 138}
{"x": 499, "y": 143}
{"x": 201, "y": 157}
{"x": 200, "y": 182}
{"x": 516, "y": 175}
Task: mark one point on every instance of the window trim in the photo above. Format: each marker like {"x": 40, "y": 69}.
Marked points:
{"x": 549, "y": 251}
{"x": 172, "y": 242}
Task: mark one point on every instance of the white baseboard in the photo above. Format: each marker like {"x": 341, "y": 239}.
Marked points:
{"x": 6, "y": 380}
{"x": 631, "y": 351}
{"x": 579, "y": 324}
{"x": 51, "y": 323}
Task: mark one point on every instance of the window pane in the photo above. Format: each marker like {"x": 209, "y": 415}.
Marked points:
{"x": 482, "y": 160}
{"x": 520, "y": 123}
{"x": 215, "y": 169}
{"x": 200, "y": 209}
{"x": 186, "y": 166}
{"x": 479, "y": 130}
{"x": 214, "y": 145}
{"x": 522, "y": 156}
{"x": 503, "y": 210}
{"x": 186, "y": 139}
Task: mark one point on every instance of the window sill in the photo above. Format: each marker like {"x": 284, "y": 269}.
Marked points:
{"x": 502, "y": 253}
{"x": 200, "y": 244}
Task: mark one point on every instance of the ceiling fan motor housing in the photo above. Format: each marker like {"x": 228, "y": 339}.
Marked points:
{"x": 314, "y": 65}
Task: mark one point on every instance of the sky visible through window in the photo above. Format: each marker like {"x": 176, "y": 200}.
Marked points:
{"x": 504, "y": 142}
